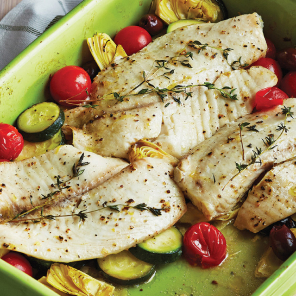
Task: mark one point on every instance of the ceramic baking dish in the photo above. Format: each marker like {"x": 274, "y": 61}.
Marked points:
{"x": 25, "y": 82}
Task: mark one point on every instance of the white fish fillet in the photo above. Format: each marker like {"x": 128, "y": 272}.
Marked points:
{"x": 178, "y": 123}
{"x": 223, "y": 45}
{"x": 209, "y": 175}
{"x": 24, "y": 184}
{"x": 113, "y": 134}
{"x": 199, "y": 117}
{"x": 104, "y": 230}
{"x": 271, "y": 200}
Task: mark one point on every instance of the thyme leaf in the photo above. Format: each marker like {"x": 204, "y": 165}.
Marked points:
{"x": 241, "y": 166}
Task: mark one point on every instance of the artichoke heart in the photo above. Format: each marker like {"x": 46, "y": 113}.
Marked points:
{"x": 144, "y": 148}
{"x": 104, "y": 50}
{"x": 75, "y": 282}
{"x": 173, "y": 10}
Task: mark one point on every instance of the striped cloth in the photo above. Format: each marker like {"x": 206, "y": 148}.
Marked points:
{"x": 28, "y": 20}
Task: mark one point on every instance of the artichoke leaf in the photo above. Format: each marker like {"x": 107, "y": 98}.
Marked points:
{"x": 104, "y": 50}
{"x": 75, "y": 282}
{"x": 173, "y": 10}
{"x": 145, "y": 148}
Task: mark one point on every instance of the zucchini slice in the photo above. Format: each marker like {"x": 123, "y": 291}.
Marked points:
{"x": 40, "y": 122}
{"x": 166, "y": 247}
{"x": 183, "y": 23}
{"x": 125, "y": 269}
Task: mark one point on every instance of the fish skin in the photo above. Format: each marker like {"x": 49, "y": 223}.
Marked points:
{"x": 271, "y": 200}
{"x": 205, "y": 176}
{"x": 25, "y": 183}
{"x": 105, "y": 231}
{"x": 248, "y": 46}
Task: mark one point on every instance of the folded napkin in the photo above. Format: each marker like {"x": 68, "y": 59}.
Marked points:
{"x": 28, "y": 20}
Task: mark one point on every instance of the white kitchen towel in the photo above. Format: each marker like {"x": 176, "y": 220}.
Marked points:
{"x": 28, "y": 20}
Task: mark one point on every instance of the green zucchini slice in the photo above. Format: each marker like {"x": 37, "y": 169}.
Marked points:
{"x": 40, "y": 122}
{"x": 125, "y": 269}
{"x": 163, "y": 248}
{"x": 182, "y": 23}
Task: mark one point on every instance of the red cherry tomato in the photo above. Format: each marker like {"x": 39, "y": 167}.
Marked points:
{"x": 287, "y": 58}
{"x": 271, "y": 51}
{"x": 19, "y": 261}
{"x": 204, "y": 245}
{"x": 288, "y": 84}
{"x": 269, "y": 97}
{"x": 271, "y": 65}
{"x": 11, "y": 142}
{"x": 70, "y": 86}
{"x": 132, "y": 39}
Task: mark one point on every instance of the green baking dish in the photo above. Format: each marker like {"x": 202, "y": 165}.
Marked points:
{"x": 25, "y": 81}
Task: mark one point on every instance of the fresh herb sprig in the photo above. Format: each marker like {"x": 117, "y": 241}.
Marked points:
{"x": 269, "y": 142}
{"x": 83, "y": 215}
{"x": 60, "y": 185}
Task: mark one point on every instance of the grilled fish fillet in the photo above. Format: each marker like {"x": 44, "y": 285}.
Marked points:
{"x": 210, "y": 175}
{"x": 33, "y": 182}
{"x": 175, "y": 59}
{"x": 108, "y": 219}
{"x": 271, "y": 200}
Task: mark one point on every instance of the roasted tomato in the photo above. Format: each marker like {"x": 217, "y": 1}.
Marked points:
{"x": 70, "y": 86}
{"x": 19, "y": 261}
{"x": 269, "y": 97}
{"x": 204, "y": 245}
{"x": 282, "y": 241}
{"x": 271, "y": 65}
{"x": 11, "y": 142}
{"x": 132, "y": 39}
{"x": 288, "y": 84}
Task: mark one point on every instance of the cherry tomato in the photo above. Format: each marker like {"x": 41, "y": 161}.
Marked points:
{"x": 287, "y": 58}
{"x": 70, "y": 86}
{"x": 282, "y": 241}
{"x": 4, "y": 160}
{"x": 19, "y": 261}
{"x": 204, "y": 245}
{"x": 269, "y": 97}
{"x": 271, "y": 65}
{"x": 11, "y": 142}
{"x": 132, "y": 39}
{"x": 288, "y": 84}
{"x": 271, "y": 51}
{"x": 152, "y": 23}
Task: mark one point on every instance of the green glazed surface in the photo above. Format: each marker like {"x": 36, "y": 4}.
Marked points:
{"x": 24, "y": 82}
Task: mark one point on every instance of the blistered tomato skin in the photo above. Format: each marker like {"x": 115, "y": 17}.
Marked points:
{"x": 11, "y": 142}
{"x": 271, "y": 65}
{"x": 19, "y": 261}
{"x": 132, "y": 39}
{"x": 204, "y": 245}
{"x": 271, "y": 51}
{"x": 282, "y": 241}
{"x": 288, "y": 84}
{"x": 151, "y": 23}
{"x": 287, "y": 58}
{"x": 268, "y": 98}
{"x": 70, "y": 86}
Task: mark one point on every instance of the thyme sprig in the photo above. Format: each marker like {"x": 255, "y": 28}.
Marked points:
{"x": 83, "y": 214}
{"x": 222, "y": 91}
{"x": 269, "y": 143}
{"x": 60, "y": 185}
